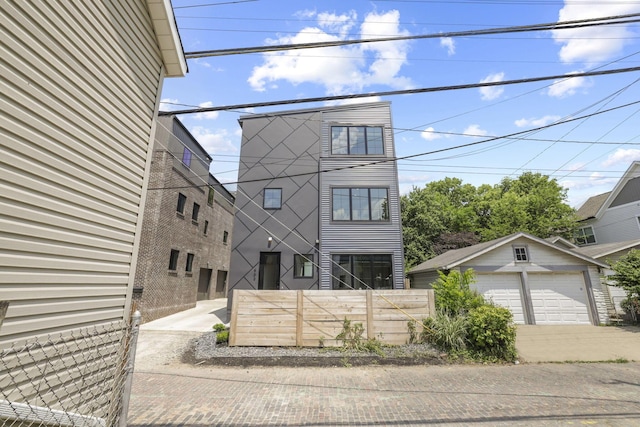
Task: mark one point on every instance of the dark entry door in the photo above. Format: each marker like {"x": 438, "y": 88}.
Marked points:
{"x": 204, "y": 282}
{"x": 269, "y": 271}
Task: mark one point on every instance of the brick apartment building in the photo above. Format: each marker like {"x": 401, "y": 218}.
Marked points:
{"x": 185, "y": 243}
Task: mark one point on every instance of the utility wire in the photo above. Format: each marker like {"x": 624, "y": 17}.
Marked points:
{"x": 401, "y": 92}
{"x": 579, "y": 23}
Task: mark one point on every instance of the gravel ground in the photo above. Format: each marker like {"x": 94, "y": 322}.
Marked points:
{"x": 203, "y": 350}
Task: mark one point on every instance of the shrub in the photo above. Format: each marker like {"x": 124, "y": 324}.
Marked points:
{"x": 219, "y": 327}
{"x": 446, "y": 331}
{"x": 491, "y": 332}
{"x": 453, "y": 294}
{"x": 222, "y": 337}
{"x": 631, "y": 305}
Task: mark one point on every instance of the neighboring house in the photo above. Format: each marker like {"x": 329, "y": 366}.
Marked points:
{"x": 81, "y": 84}
{"x": 609, "y": 253}
{"x": 317, "y": 201}
{"x": 613, "y": 216}
{"x": 186, "y": 232}
{"x": 539, "y": 282}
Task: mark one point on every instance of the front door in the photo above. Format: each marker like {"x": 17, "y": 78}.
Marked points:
{"x": 269, "y": 271}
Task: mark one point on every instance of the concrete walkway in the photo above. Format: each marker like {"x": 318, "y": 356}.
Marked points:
{"x": 555, "y": 343}
{"x": 201, "y": 318}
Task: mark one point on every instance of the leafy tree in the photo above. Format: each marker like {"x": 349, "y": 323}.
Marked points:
{"x": 627, "y": 276}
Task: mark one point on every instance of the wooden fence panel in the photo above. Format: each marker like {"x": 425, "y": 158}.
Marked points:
{"x": 307, "y": 318}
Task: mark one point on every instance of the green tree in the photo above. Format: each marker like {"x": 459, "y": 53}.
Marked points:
{"x": 627, "y": 276}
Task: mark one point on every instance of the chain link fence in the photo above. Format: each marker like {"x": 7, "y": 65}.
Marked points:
{"x": 80, "y": 378}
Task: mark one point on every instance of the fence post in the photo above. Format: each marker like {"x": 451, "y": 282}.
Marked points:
{"x": 369, "y": 304}
{"x": 133, "y": 343}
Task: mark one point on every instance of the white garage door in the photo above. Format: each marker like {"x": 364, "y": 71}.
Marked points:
{"x": 503, "y": 290}
{"x": 559, "y": 298}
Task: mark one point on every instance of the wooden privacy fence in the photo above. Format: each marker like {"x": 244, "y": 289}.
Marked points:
{"x": 311, "y": 317}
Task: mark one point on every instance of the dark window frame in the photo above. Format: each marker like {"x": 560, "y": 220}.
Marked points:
{"x": 368, "y": 147}
{"x": 206, "y": 227}
{"x": 173, "y": 259}
{"x": 186, "y": 157}
{"x": 385, "y": 216}
{"x": 188, "y": 268}
{"x": 210, "y": 196}
{"x": 195, "y": 212}
{"x": 355, "y": 264}
{"x": 265, "y": 198}
{"x": 182, "y": 202}
{"x": 521, "y": 253}
{"x": 225, "y": 237}
{"x": 583, "y": 238}
{"x": 300, "y": 261}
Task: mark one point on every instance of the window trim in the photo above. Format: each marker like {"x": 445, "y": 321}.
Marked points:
{"x": 307, "y": 258}
{"x": 524, "y": 251}
{"x": 583, "y": 235}
{"x": 386, "y": 217}
{"x": 352, "y": 266}
{"x": 366, "y": 140}
{"x": 264, "y": 198}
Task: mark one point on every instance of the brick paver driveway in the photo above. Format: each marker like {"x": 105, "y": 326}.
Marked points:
{"x": 546, "y": 394}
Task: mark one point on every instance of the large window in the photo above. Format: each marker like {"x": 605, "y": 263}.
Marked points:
{"x": 360, "y": 204}
{"x": 585, "y": 236}
{"x": 362, "y": 272}
{"x": 356, "y": 140}
{"x": 302, "y": 265}
{"x": 272, "y": 198}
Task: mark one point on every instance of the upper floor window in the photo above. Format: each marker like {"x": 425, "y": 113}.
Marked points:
{"x": 520, "y": 253}
{"x": 225, "y": 237}
{"x": 272, "y": 198}
{"x": 210, "y": 196}
{"x": 302, "y": 265}
{"x": 173, "y": 259}
{"x": 182, "y": 200}
{"x": 360, "y": 204}
{"x": 206, "y": 227}
{"x": 189, "y": 266}
{"x": 186, "y": 157}
{"x": 585, "y": 236}
{"x": 194, "y": 213}
{"x": 356, "y": 140}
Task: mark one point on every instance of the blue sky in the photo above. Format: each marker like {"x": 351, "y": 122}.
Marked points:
{"x": 587, "y": 156}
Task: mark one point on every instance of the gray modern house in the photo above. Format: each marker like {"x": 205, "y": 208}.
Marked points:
{"x": 317, "y": 205}
{"x": 186, "y": 232}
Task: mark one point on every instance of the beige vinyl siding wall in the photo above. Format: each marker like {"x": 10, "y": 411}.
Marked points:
{"x": 79, "y": 89}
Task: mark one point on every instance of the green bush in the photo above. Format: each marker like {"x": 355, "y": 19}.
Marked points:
{"x": 453, "y": 294}
{"x": 219, "y": 327}
{"x": 446, "y": 331}
{"x": 222, "y": 336}
{"x": 491, "y": 332}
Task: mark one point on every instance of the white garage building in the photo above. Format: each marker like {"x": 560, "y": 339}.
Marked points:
{"x": 541, "y": 283}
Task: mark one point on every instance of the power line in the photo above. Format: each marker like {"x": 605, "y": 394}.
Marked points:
{"x": 214, "y": 4}
{"x": 395, "y": 159}
{"x": 402, "y": 92}
{"x": 580, "y": 23}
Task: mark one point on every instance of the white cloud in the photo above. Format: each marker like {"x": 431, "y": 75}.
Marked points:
{"x": 408, "y": 182}
{"x": 536, "y": 122}
{"x": 429, "y": 134}
{"x": 340, "y": 69}
{"x": 219, "y": 141}
{"x": 354, "y": 101}
{"x": 492, "y": 92}
{"x": 622, "y": 156}
{"x": 475, "y": 130}
{"x": 211, "y": 115}
{"x": 450, "y": 44}
{"x": 568, "y": 87}
{"x": 597, "y": 43}
{"x": 168, "y": 104}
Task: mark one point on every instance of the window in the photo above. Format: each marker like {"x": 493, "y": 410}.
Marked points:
{"x": 210, "y": 196}
{"x": 362, "y": 272}
{"x": 585, "y": 236}
{"x": 303, "y": 265}
{"x": 173, "y": 259}
{"x": 360, "y": 204}
{"x": 196, "y": 210}
{"x": 520, "y": 253}
{"x": 189, "y": 266}
{"x": 225, "y": 237}
{"x": 356, "y": 140}
{"x": 206, "y": 226}
{"x": 186, "y": 157}
{"x": 272, "y": 198}
{"x": 182, "y": 200}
